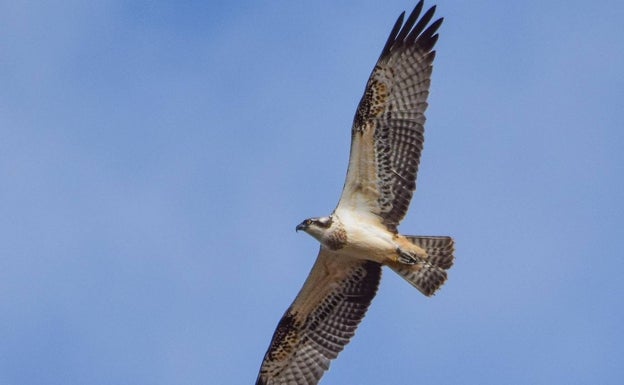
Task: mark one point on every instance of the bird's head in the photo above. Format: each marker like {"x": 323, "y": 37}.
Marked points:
{"x": 316, "y": 227}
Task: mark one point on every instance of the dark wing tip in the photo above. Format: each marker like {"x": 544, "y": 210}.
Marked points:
{"x": 413, "y": 31}
{"x": 393, "y": 33}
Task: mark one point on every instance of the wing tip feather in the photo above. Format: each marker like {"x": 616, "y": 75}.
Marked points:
{"x": 415, "y": 31}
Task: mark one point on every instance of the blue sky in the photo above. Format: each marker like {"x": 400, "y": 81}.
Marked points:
{"x": 155, "y": 158}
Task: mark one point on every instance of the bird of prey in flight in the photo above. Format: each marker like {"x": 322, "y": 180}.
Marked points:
{"x": 361, "y": 235}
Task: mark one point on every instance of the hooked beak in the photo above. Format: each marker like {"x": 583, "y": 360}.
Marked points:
{"x": 301, "y": 226}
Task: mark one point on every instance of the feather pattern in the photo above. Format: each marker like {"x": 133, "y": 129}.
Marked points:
{"x": 387, "y": 140}
{"x": 321, "y": 320}
{"x": 388, "y": 129}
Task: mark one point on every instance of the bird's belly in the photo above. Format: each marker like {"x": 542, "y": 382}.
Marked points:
{"x": 371, "y": 243}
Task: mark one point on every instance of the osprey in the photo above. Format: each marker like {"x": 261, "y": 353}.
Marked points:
{"x": 361, "y": 234}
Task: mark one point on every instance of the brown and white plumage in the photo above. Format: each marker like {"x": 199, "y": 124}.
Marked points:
{"x": 361, "y": 234}
{"x": 388, "y": 128}
{"x": 321, "y": 320}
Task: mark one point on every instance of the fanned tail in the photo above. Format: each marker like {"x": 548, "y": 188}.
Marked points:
{"x": 439, "y": 249}
{"x": 429, "y": 274}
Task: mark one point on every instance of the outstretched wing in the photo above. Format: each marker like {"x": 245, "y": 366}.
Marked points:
{"x": 388, "y": 128}
{"x": 320, "y": 321}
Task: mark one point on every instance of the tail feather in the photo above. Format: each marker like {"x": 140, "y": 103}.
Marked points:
{"x": 429, "y": 274}
{"x": 439, "y": 249}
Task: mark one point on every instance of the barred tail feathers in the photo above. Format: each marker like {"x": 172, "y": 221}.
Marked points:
{"x": 430, "y": 274}
{"x": 439, "y": 249}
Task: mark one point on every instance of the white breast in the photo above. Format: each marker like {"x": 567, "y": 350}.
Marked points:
{"x": 367, "y": 238}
